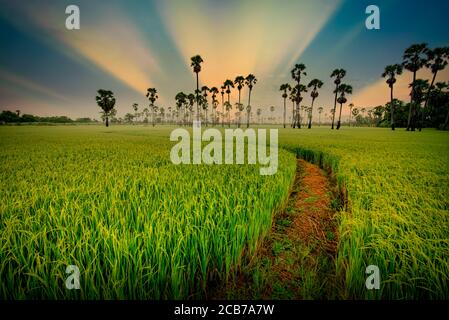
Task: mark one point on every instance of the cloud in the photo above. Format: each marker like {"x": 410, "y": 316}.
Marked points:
{"x": 23, "y": 85}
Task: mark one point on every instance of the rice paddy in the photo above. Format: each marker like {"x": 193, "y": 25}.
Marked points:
{"x": 110, "y": 201}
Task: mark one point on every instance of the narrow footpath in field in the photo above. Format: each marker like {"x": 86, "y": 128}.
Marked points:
{"x": 297, "y": 260}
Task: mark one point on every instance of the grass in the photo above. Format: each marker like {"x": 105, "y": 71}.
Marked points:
{"x": 110, "y": 202}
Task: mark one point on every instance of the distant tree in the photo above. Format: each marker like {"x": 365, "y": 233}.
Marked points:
{"x": 129, "y": 117}
{"x": 228, "y": 107}
{"x": 437, "y": 60}
{"x": 415, "y": 57}
{"x": 297, "y": 73}
{"x": 350, "y": 106}
{"x": 135, "y": 107}
{"x": 223, "y": 87}
{"x": 106, "y": 101}
{"x": 315, "y": 84}
{"x": 320, "y": 111}
{"x": 250, "y": 81}
{"x": 338, "y": 74}
{"x": 181, "y": 101}
{"x": 196, "y": 64}
{"x": 391, "y": 71}
{"x": 152, "y": 97}
{"x": 343, "y": 90}
{"x": 259, "y": 113}
{"x": 285, "y": 88}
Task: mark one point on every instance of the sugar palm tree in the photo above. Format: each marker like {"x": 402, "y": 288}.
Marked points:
{"x": 228, "y": 84}
{"x": 343, "y": 90}
{"x": 299, "y": 88}
{"x": 152, "y": 97}
{"x": 191, "y": 98}
{"x": 338, "y": 74}
{"x": 351, "y": 105}
{"x": 437, "y": 60}
{"x": 315, "y": 84}
{"x": 106, "y": 101}
{"x": 250, "y": 81}
{"x": 196, "y": 64}
{"x": 228, "y": 107}
{"x": 214, "y": 91}
{"x": 181, "y": 102}
{"x": 222, "y": 104}
{"x": 272, "y": 110}
{"x": 421, "y": 87}
{"x": 355, "y": 112}
{"x": 135, "y": 107}
{"x": 391, "y": 71}
{"x": 320, "y": 110}
{"x": 146, "y": 114}
{"x": 284, "y": 88}
{"x": 240, "y": 83}
{"x": 292, "y": 98}
{"x": 203, "y": 102}
{"x": 259, "y": 113}
{"x": 415, "y": 57}
{"x": 297, "y": 72}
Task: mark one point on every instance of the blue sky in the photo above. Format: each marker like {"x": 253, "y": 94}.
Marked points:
{"x": 127, "y": 46}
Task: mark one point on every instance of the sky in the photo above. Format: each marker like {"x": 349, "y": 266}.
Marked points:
{"x": 128, "y": 46}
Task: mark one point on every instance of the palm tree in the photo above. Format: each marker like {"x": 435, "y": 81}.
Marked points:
{"x": 228, "y": 84}
{"x": 162, "y": 114}
{"x": 437, "y": 60}
{"x": 146, "y": 113}
{"x": 135, "y": 107}
{"x": 203, "y": 102}
{"x": 214, "y": 91}
{"x": 355, "y": 112}
{"x": 299, "y": 88}
{"x": 284, "y": 88}
{"x": 391, "y": 71}
{"x": 106, "y": 101}
{"x": 343, "y": 89}
{"x": 320, "y": 110}
{"x": 292, "y": 98}
{"x": 338, "y": 74}
{"x": 240, "y": 83}
{"x": 181, "y": 102}
{"x": 316, "y": 84}
{"x": 222, "y": 104}
{"x": 421, "y": 87}
{"x": 259, "y": 113}
{"x": 250, "y": 81}
{"x": 297, "y": 72}
{"x": 191, "y": 102}
{"x": 228, "y": 107}
{"x": 415, "y": 57}
{"x": 196, "y": 64}
{"x": 351, "y": 105}
{"x": 272, "y": 110}
{"x": 152, "y": 96}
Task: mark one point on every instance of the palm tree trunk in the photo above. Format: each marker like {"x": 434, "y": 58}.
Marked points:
{"x": 239, "y": 111}
{"x": 339, "y": 117}
{"x": 310, "y": 116}
{"x": 293, "y": 113}
{"x": 248, "y": 111}
{"x": 319, "y": 119}
{"x": 335, "y": 106}
{"x": 427, "y": 101}
{"x": 222, "y": 110}
{"x": 410, "y": 108}
{"x": 284, "y": 111}
{"x": 107, "y": 121}
{"x": 196, "y": 94}
{"x": 392, "y": 108}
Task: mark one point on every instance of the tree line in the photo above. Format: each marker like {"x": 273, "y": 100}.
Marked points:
{"x": 17, "y": 117}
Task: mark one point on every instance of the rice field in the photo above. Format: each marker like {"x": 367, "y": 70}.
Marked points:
{"x": 138, "y": 227}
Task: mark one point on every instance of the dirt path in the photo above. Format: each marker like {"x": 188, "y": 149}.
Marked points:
{"x": 297, "y": 259}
